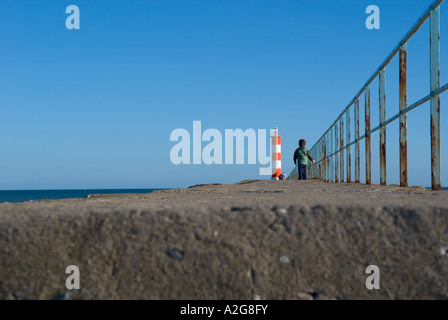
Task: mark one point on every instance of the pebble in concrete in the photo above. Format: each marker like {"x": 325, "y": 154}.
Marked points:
{"x": 175, "y": 254}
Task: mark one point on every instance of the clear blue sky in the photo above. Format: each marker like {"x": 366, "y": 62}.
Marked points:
{"x": 95, "y": 107}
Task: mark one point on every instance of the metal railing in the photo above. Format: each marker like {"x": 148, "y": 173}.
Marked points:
{"x": 329, "y": 149}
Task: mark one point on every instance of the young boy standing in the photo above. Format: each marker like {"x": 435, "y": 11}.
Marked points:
{"x": 301, "y": 156}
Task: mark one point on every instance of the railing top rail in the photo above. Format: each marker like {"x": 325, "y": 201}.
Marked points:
{"x": 424, "y": 17}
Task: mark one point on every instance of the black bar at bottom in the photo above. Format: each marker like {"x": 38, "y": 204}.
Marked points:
{"x": 219, "y": 309}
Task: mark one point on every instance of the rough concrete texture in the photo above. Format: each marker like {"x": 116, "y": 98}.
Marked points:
{"x": 253, "y": 240}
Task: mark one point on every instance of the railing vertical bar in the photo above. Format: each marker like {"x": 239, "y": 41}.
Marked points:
{"x": 367, "y": 129}
{"x": 319, "y": 155}
{"x": 435, "y": 101}
{"x": 313, "y": 171}
{"x": 356, "y": 115}
{"x": 321, "y": 151}
{"x": 312, "y": 168}
{"x": 348, "y": 160}
{"x": 336, "y": 156}
{"x": 341, "y": 141}
{"x": 320, "y": 158}
{"x": 403, "y": 117}
{"x": 324, "y": 157}
{"x": 308, "y": 172}
{"x": 328, "y": 159}
{"x": 333, "y": 161}
{"x": 382, "y": 98}
{"x": 332, "y": 152}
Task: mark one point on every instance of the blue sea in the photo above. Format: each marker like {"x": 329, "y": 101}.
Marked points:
{"x": 27, "y": 195}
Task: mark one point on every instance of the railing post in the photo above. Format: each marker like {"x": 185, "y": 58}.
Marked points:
{"x": 331, "y": 135}
{"x": 435, "y": 101}
{"x": 356, "y": 115}
{"x": 332, "y": 157}
{"x": 336, "y": 156}
{"x": 348, "y": 159}
{"x": 327, "y": 138}
{"x": 308, "y": 172}
{"x": 382, "y": 98}
{"x": 322, "y": 157}
{"x": 403, "y": 118}
{"x": 341, "y": 122}
{"x": 367, "y": 129}
{"x": 324, "y": 160}
{"x": 319, "y": 156}
{"x": 327, "y": 160}
{"x": 309, "y": 169}
{"x": 312, "y": 167}
{"x": 317, "y": 159}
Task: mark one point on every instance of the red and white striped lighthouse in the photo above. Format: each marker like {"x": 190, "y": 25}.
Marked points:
{"x": 276, "y": 162}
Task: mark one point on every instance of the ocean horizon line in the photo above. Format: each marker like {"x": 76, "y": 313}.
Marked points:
{"x": 68, "y": 189}
{"x": 25, "y": 195}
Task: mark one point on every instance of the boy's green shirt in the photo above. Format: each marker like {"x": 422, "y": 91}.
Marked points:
{"x": 301, "y": 155}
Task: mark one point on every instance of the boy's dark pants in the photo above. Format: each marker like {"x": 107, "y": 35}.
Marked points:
{"x": 302, "y": 171}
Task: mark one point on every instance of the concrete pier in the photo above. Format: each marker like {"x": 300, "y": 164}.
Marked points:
{"x": 267, "y": 239}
